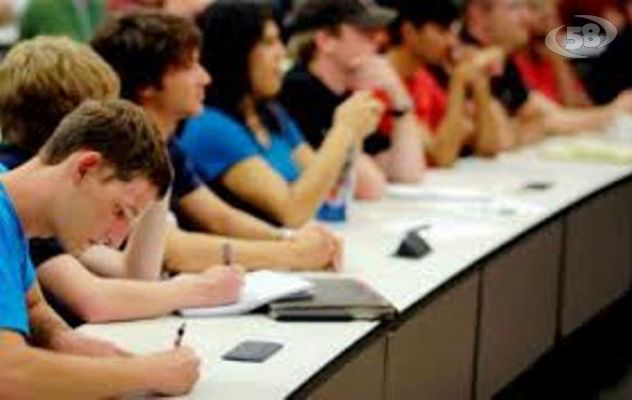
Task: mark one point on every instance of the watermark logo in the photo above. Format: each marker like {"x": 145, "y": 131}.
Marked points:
{"x": 585, "y": 41}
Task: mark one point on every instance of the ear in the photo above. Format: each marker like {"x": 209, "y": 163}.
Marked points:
{"x": 408, "y": 32}
{"x": 323, "y": 40}
{"x": 86, "y": 162}
{"x": 146, "y": 95}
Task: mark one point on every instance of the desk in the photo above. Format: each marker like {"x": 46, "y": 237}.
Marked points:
{"x": 498, "y": 291}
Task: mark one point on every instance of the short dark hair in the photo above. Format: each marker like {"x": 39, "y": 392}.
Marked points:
{"x": 231, "y": 29}
{"x": 422, "y": 12}
{"x": 142, "y": 45}
{"x": 121, "y": 132}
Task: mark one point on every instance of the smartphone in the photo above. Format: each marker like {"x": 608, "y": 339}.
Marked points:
{"x": 252, "y": 351}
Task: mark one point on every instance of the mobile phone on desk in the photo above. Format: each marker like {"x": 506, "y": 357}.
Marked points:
{"x": 252, "y": 351}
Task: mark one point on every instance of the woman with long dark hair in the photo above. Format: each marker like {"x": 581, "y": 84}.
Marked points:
{"x": 245, "y": 145}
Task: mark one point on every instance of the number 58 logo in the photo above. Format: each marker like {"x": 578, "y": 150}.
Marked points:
{"x": 580, "y": 42}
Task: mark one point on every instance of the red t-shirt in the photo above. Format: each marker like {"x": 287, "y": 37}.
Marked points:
{"x": 538, "y": 75}
{"x": 429, "y": 96}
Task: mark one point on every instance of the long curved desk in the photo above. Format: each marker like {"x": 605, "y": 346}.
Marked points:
{"x": 505, "y": 282}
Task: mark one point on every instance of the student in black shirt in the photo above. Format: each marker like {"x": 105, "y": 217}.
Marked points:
{"x": 335, "y": 53}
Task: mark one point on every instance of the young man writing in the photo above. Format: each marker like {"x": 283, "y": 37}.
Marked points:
{"x": 53, "y": 76}
{"x": 101, "y": 169}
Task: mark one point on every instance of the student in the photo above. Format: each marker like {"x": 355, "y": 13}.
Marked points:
{"x": 156, "y": 57}
{"x": 505, "y": 24}
{"x": 543, "y": 70}
{"x": 244, "y": 144}
{"x": 53, "y": 76}
{"x": 333, "y": 42}
{"x": 101, "y": 168}
{"x": 424, "y": 53}
{"x": 74, "y": 18}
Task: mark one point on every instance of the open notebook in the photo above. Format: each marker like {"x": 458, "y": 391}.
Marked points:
{"x": 260, "y": 288}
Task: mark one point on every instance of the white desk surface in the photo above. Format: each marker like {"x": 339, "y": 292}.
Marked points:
{"x": 459, "y": 235}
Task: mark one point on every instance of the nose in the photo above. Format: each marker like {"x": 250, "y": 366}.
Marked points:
{"x": 117, "y": 234}
{"x": 205, "y": 78}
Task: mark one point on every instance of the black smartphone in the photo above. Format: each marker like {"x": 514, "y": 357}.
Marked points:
{"x": 252, "y": 351}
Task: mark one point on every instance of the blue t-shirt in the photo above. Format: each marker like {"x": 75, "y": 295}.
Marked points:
{"x": 17, "y": 274}
{"x": 215, "y": 142}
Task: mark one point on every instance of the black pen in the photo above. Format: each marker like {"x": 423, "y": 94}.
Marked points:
{"x": 180, "y": 334}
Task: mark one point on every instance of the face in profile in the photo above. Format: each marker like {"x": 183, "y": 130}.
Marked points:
{"x": 434, "y": 42}
{"x": 95, "y": 207}
{"x": 266, "y": 62}
{"x": 509, "y": 23}
{"x": 182, "y": 91}
{"x": 351, "y": 46}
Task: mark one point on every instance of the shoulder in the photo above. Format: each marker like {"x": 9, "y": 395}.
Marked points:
{"x": 10, "y": 229}
{"x": 212, "y": 121}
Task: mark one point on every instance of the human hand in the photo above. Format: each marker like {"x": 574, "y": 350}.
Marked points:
{"x": 171, "y": 373}
{"x": 377, "y": 73}
{"x": 323, "y": 246}
{"x": 216, "y": 286}
{"x": 623, "y": 102}
{"x": 359, "y": 115}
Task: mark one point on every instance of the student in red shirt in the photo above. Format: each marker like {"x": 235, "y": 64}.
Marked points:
{"x": 451, "y": 96}
{"x": 543, "y": 70}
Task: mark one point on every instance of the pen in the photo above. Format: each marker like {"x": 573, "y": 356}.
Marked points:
{"x": 180, "y": 334}
{"x": 227, "y": 254}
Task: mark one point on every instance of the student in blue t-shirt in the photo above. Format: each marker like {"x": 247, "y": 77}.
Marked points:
{"x": 101, "y": 168}
{"x": 244, "y": 144}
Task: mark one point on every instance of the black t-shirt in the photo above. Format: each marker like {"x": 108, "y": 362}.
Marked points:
{"x": 508, "y": 88}
{"x": 312, "y": 105}
{"x": 611, "y": 73}
{"x": 185, "y": 180}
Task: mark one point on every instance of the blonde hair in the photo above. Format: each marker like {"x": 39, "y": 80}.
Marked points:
{"x": 42, "y": 80}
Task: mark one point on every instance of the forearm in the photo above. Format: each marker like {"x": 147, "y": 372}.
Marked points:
{"x": 487, "y": 140}
{"x": 406, "y": 156}
{"x": 448, "y": 141}
{"x": 370, "y": 180}
{"x": 144, "y": 253}
{"x": 194, "y": 252}
{"x": 28, "y": 373}
{"x": 212, "y": 215}
{"x": 123, "y": 300}
{"x": 566, "y": 121}
{"x": 45, "y": 325}
{"x": 318, "y": 179}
